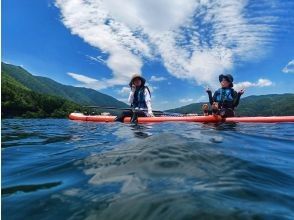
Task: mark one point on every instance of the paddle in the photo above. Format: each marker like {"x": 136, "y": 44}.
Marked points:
{"x": 123, "y": 109}
{"x": 156, "y": 112}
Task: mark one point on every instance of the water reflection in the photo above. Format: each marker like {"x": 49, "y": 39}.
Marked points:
{"x": 141, "y": 131}
{"x": 221, "y": 126}
{"x": 29, "y": 188}
{"x": 168, "y": 172}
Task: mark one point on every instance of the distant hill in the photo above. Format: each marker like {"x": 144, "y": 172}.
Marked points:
{"x": 19, "y": 101}
{"x": 43, "y": 85}
{"x": 262, "y": 105}
{"x": 25, "y": 95}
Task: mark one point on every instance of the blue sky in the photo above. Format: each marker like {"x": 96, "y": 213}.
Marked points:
{"x": 180, "y": 47}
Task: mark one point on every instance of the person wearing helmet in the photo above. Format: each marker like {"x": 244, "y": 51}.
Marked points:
{"x": 225, "y": 99}
{"x": 139, "y": 98}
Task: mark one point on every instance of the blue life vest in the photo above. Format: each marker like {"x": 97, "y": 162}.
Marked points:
{"x": 139, "y": 98}
{"x": 224, "y": 95}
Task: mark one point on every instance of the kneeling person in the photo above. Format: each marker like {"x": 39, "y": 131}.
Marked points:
{"x": 225, "y": 99}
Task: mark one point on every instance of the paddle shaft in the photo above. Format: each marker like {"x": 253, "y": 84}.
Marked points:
{"x": 123, "y": 109}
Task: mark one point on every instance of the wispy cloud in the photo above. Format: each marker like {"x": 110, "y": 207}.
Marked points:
{"x": 6, "y": 62}
{"x": 88, "y": 82}
{"x": 124, "y": 90}
{"x": 98, "y": 59}
{"x": 289, "y": 68}
{"x": 259, "y": 83}
{"x": 193, "y": 39}
{"x": 157, "y": 79}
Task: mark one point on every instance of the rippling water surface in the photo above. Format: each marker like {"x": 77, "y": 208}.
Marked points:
{"x": 61, "y": 169}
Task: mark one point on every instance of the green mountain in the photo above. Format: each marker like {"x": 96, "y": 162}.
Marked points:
{"x": 25, "y": 95}
{"x": 43, "y": 85}
{"x": 19, "y": 101}
{"x": 262, "y": 105}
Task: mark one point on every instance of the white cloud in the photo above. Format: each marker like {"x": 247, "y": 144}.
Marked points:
{"x": 124, "y": 90}
{"x": 157, "y": 79}
{"x": 259, "y": 83}
{"x": 82, "y": 78}
{"x": 195, "y": 40}
{"x": 98, "y": 59}
{"x": 263, "y": 83}
{"x": 289, "y": 68}
{"x": 186, "y": 100}
{"x": 88, "y": 82}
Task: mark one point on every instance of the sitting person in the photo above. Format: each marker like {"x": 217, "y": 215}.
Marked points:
{"x": 215, "y": 108}
{"x": 205, "y": 109}
{"x": 139, "y": 98}
{"x": 225, "y": 99}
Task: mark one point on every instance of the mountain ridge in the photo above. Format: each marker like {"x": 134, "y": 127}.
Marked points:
{"x": 18, "y": 79}
{"x": 44, "y": 85}
{"x": 254, "y": 105}
{"x": 20, "y": 101}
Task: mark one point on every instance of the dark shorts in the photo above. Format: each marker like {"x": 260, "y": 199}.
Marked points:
{"x": 129, "y": 114}
{"x": 226, "y": 112}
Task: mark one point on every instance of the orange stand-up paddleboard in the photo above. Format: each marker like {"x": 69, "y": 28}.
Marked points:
{"x": 208, "y": 119}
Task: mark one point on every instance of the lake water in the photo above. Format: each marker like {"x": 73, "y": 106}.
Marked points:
{"x": 62, "y": 169}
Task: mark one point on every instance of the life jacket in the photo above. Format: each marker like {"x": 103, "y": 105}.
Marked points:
{"x": 139, "y": 98}
{"x": 225, "y": 97}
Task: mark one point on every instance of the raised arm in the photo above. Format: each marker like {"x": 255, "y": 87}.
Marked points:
{"x": 237, "y": 97}
{"x": 211, "y": 100}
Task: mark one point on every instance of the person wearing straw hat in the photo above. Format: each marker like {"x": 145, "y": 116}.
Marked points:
{"x": 139, "y": 98}
{"x": 225, "y": 99}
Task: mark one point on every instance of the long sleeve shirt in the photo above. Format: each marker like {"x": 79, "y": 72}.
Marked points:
{"x": 147, "y": 99}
